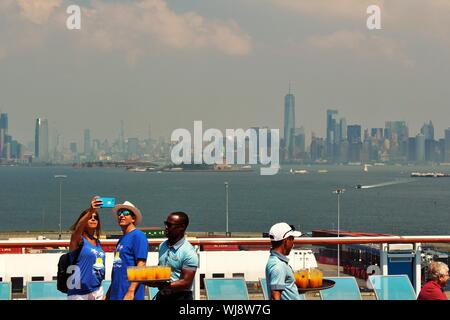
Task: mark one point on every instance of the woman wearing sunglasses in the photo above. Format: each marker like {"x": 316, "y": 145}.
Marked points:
{"x": 85, "y": 283}
{"x": 131, "y": 251}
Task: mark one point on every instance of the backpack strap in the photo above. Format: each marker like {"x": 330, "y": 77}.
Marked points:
{"x": 77, "y": 252}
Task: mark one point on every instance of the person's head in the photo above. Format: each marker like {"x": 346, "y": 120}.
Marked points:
{"x": 176, "y": 225}
{"x": 127, "y": 215}
{"x": 282, "y": 237}
{"x": 93, "y": 226}
{"x": 439, "y": 272}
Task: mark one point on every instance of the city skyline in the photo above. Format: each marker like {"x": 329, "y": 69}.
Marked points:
{"x": 342, "y": 143}
{"x": 220, "y": 63}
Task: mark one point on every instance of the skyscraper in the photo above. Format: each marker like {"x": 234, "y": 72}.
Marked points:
{"x": 420, "y": 148}
{"x": 354, "y": 140}
{"x": 447, "y": 146}
{"x": 4, "y": 122}
{"x": 41, "y": 140}
{"x": 298, "y": 143}
{"x": 428, "y": 130}
{"x": 289, "y": 123}
{"x": 87, "y": 142}
{"x": 3, "y": 132}
{"x": 331, "y": 134}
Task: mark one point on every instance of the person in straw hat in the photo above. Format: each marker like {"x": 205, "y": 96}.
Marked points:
{"x": 131, "y": 251}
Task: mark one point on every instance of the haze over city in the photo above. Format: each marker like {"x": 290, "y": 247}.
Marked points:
{"x": 227, "y": 63}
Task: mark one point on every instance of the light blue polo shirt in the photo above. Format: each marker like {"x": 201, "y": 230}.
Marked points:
{"x": 279, "y": 276}
{"x": 180, "y": 256}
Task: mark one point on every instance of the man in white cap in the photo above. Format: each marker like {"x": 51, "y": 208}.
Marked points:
{"x": 279, "y": 275}
{"x": 131, "y": 251}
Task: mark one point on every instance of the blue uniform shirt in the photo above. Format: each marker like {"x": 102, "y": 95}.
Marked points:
{"x": 180, "y": 256}
{"x": 279, "y": 276}
{"x": 131, "y": 247}
{"x": 91, "y": 262}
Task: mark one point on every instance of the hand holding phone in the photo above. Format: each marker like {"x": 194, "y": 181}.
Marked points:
{"x": 107, "y": 202}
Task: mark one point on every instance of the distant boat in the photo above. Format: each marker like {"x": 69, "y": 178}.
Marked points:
{"x": 137, "y": 169}
{"x": 298, "y": 171}
{"x": 322, "y": 171}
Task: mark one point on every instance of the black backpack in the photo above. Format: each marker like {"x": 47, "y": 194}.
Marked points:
{"x": 64, "y": 263}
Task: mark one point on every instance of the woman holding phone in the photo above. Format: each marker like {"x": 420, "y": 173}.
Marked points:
{"x": 85, "y": 283}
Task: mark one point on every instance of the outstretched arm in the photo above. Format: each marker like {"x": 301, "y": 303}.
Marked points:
{"x": 79, "y": 228}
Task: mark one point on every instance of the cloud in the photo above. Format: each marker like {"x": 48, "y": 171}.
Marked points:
{"x": 149, "y": 24}
{"x": 346, "y": 9}
{"x": 362, "y": 46}
{"x": 133, "y": 28}
{"x": 38, "y": 11}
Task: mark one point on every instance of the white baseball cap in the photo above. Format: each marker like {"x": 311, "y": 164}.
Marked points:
{"x": 281, "y": 231}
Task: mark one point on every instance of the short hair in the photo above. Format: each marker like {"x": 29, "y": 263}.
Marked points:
{"x": 437, "y": 269}
{"x": 277, "y": 244}
{"x": 184, "y": 219}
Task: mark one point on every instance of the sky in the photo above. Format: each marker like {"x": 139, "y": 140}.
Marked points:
{"x": 166, "y": 63}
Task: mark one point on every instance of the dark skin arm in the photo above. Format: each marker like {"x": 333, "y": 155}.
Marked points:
{"x": 75, "y": 238}
{"x": 275, "y": 294}
{"x": 185, "y": 282}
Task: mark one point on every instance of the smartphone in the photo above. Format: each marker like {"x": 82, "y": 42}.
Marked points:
{"x": 107, "y": 202}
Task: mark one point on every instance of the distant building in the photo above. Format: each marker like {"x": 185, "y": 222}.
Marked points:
{"x": 412, "y": 153}
{"x": 397, "y": 133}
{"x": 4, "y": 122}
{"x": 420, "y": 148}
{"x": 447, "y": 146}
{"x": 289, "y": 123}
{"x": 355, "y": 145}
{"x": 41, "y": 150}
{"x": 87, "y": 143}
{"x": 317, "y": 148}
{"x": 428, "y": 131}
{"x": 73, "y": 147}
{"x": 332, "y": 138}
{"x": 298, "y": 143}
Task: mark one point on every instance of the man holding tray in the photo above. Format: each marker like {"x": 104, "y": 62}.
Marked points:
{"x": 181, "y": 256}
{"x": 279, "y": 275}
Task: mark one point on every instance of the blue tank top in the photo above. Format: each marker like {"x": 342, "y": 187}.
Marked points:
{"x": 91, "y": 262}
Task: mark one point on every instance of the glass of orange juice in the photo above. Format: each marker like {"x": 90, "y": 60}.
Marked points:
{"x": 157, "y": 273}
{"x": 131, "y": 272}
{"x": 140, "y": 273}
{"x": 303, "y": 279}
{"x": 150, "y": 273}
{"x": 319, "y": 278}
{"x": 167, "y": 272}
{"x": 313, "y": 280}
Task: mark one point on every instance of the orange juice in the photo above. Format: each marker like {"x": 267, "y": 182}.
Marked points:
{"x": 303, "y": 279}
{"x": 140, "y": 273}
{"x": 319, "y": 277}
{"x": 150, "y": 273}
{"x": 313, "y": 280}
{"x": 131, "y": 271}
{"x": 167, "y": 272}
{"x": 158, "y": 274}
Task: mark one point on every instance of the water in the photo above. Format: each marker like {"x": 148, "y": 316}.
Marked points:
{"x": 29, "y": 198}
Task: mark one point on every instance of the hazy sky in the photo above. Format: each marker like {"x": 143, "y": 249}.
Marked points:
{"x": 226, "y": 62}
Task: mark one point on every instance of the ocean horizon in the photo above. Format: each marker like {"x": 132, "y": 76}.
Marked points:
{"x": 393, "y": 202}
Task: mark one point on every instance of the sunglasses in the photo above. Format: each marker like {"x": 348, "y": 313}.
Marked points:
{"x": 94, "y": 217}
{"x": 169, "y": 224}
{"x": 292, "y": 229}
{"x": 124, "y": 212}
